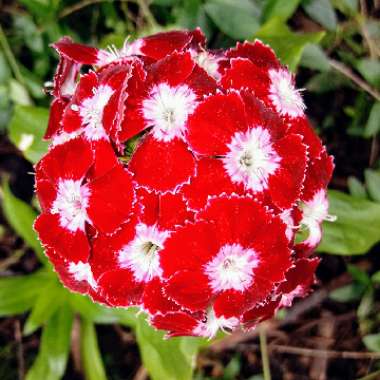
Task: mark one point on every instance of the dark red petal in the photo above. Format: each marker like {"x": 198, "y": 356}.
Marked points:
{"x": 174, "y": 69}
{"x": 318, "y": 175}
{"x": 302, "y": 127}
{"x": 285, "y": 184}
{"x": 105, "y": 248}
{"x": 111, "y": 199}
{"x": 160, "y": 45}
{"x": 46, "y": 194}
{"x": 260, "y": 313}
{"x": 162, "y": 166}
{"x": 230, "y": 303}
{"x": 200, "y": 82}
{"x": 154, "y": 301}
{"x": 57, "y": 108}
{"x": 257, "y": 52}
{"x": 189, "y": 248}
{"x": 61, "y": 268}
{"x": 65, "y": 76}
{"x": 189, "y": 289}
{"x": 214, "y": 122}
{"x": 79, "y": 53}
{"x": 70, "y": 160}
{"x": 260, "y": 115}
{"x": 133, "y": 121}
{"x": 173, "y": 210}
{"x": 105, "y": 158}
{"x": 119, "y": 288}
{"x": 243, "y": 74}
{"x": 302, "y": 274}
{"x": 211, "y": 179}
{"x": 72, "y": 246}
{"x": 176, "y": 323}
{"x": 236, "y": 219}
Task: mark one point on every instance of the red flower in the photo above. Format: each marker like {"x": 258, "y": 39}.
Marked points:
{"x": 177, "y": 180}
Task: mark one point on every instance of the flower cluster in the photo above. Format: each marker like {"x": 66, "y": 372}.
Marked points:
{"x": 177, "y": 179}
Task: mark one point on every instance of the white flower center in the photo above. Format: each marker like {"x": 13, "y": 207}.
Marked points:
{"x": 208, "y": 62}
{"x": 167, "y": 110}
{"x": 82, "y": 272}
{"x": 91, "y": 111}
{"x": 141, "y": 254}
{"x": 71, "y": 204}
{"x": 251, "y": 159}
{"x": 232, "y": 268}
{"x": 212, "y": 324}
{"x": 315, "y": 211}
{"x": 286, "y": 99}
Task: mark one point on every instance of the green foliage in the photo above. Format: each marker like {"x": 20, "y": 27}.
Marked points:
{"x": 287, "y": 44}
{"x": 170, "y": 359}
{"x": 91, "y": 358}
{"x": 19, "y": 293}
{"x": 237, "y": 19}
{"x": 356, "y": 229}
{"x": 279, "y": 9}
{"x": 26, "y": 131}
{"x": 54, "y": 347}
{"x": 322, "y": 12}
{"x": 21, "y": 217}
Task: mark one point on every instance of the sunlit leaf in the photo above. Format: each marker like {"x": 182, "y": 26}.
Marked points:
{"x": 169, "y": 359}
{"x": 19, "y": 293}
{"x": 26, "y": 130}
{"x": 287, "y": 44}
{"x": 51, "y": 361}
{"x": 91, "y": 357}
{"x": 279, "y": 8}
{"x": 356, "y": 229}
{"x": 21, "y": 217}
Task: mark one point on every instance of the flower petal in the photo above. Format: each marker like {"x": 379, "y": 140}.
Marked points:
{"x": 214, "y": 122}
{"x": 162, "y": 166}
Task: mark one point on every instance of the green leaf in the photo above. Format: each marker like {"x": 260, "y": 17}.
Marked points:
{"x": 101, "y": 314}
{"x": 232, "y": 369}
{"x": 19, "y": 293}
{"x": 322, "y": 12}
{"x": 18, "y": 93}
{"x": 166, "y": 359}
{"x": 326, "y": 82}
{"x": 49, "y": 300}
{"x": 356, "y": 229}
{"x": 358, "y": 275}
{"x": 279, "y": 8}
{"x": 51, "y": 361}
{"x": 27, "y": 129}
{"x": 287, "y": 44}
{"x": 21, "y": 217}
{"x": 91, "y": 358}
{"x": 372, "y": 342}
{"x": 237, "y": 19}
{"x": 376, "y": 277}
{"x": 366, "y": 304}
{"x": 347, "y": 293}
{"x": 373, "y": 124}
{"x": 347, "y": 7}
{"x": 372, "y": 181}
{"x": 370, "y": 70}
{"x": 313, "y": 57}
{"x": 356, "y": 188}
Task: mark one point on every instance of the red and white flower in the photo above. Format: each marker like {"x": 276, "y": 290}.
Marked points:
{"x": 177, "y": 179}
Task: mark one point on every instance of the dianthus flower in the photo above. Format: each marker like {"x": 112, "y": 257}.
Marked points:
{"x": 177, "y": 179}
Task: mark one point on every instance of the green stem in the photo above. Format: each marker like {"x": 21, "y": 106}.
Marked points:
{"x": 264, "y": 353}
{"x": 10, "y": 57}
{"x": 147, "y": 13}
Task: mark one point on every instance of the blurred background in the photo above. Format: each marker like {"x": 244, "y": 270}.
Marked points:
{"x": 333, "y": 46}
